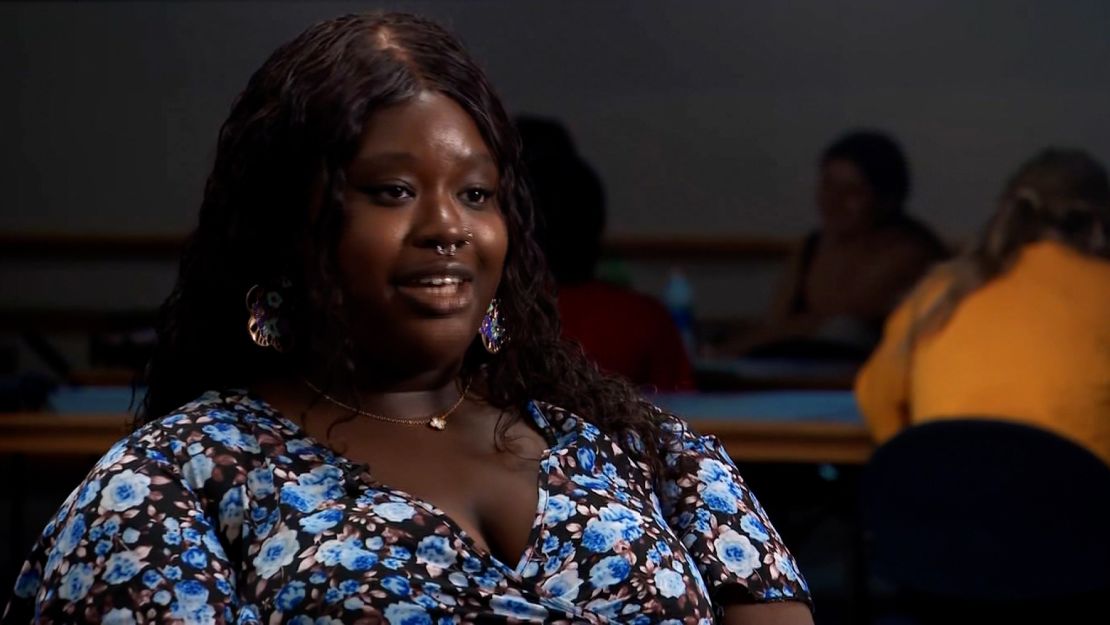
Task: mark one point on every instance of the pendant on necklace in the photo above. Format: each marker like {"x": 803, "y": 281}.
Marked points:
{"x": 438, "y": 423}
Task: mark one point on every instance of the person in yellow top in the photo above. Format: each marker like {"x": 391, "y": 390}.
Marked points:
{"x": 1018, "y": 326}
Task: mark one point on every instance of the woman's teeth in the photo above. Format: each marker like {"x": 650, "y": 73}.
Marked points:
{"x": 441, "y": 285}
{"x": 439, "y": 295}
{"x": 446, "y": 281}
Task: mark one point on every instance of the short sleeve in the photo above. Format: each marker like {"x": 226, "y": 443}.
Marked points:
{"x": 720, "y": 522}
{"x": 132, "y": 544}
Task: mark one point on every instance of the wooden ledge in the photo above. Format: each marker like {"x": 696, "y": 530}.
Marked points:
{"x": 167, "y": 247}
{"x": 40, "y": 434}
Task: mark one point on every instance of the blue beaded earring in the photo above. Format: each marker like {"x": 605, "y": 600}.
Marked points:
{"x": 494, "y": 335}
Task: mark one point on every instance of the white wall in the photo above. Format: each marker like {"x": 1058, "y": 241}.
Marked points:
{"x": 703, "y": 117}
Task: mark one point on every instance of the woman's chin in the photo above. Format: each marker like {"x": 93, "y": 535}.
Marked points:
{"x": 423, "y": 346}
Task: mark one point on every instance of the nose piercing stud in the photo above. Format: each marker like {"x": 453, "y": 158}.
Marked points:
{"x": 453, "y": 248}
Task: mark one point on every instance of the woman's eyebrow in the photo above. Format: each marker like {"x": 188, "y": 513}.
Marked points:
{"x": 404, "y": 158}
{"x": 384, "y": 158}
{"x": 478, "y": 158}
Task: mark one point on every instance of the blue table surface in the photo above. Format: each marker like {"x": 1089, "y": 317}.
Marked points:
{"x": 762, "y": 406}
{"x": 92, "y": 399}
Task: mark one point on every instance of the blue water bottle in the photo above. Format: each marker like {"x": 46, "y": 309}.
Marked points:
{"x": 679, "y": 299}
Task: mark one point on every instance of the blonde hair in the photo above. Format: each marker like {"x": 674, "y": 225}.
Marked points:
{"x": 1061, "y": 195}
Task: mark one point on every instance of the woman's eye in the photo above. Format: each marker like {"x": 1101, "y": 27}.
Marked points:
{"x": 477, "y": 195}
{"x": 389, "y": 193}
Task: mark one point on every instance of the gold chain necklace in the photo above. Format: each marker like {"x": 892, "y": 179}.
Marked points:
{"x": 436, "y": 421}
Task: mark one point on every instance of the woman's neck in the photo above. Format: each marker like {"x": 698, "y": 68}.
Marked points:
{"x": 395, "y": 396}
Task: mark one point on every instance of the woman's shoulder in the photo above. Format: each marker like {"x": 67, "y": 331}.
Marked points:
{"x": 559, "y": 425}
{"x": 228, "y": 427}
{"x": 912, "y": 231}
{"x": 1061, "y": 257}
{"x": 231, "y": 418}
{"x": 672, "y": 433}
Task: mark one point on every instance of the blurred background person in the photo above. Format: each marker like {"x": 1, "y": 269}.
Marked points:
{"x": 624, "y": 332}
{"x": 867, "y": 254}
{"x": 1017, "y": 326}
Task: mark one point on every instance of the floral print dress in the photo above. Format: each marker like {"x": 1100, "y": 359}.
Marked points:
{"x": 226, "y": 512}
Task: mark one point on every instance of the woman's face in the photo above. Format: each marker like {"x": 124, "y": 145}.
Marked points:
{"x": 846, "y": 200}
{"x": 422, "y": 178}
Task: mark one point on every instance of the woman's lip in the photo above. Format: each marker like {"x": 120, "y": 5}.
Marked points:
{"x": 438, "y": 300}
{"x": 435, "y": 269}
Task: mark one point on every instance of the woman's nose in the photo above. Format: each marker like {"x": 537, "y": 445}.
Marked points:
{"x": 443, "y": 226}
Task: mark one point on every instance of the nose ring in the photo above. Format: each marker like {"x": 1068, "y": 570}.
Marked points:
{"x": 453, "y": 248}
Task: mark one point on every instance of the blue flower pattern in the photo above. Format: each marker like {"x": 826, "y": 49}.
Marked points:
{"x": 225, "y": 512}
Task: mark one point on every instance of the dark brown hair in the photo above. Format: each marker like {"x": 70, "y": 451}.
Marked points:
{"x": 881, "y": 161}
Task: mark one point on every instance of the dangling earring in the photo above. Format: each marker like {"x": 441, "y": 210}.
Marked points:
{"x": 494, "y": 335}
{"x": 266, "y": 325}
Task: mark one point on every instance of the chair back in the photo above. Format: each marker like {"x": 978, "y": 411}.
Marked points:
{"x": 987, "y": 510}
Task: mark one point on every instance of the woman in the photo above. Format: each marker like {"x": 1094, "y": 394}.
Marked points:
{"x": 849, "y": 275}
{"x": 626, "y": 333}
{"x": 397, "y": 341}
{"x": 1016, "y": 327}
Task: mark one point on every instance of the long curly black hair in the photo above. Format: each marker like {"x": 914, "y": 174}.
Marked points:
{"x": 288, "y": 140}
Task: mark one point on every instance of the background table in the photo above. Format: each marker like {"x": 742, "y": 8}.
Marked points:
{"x": 781, "y": 426}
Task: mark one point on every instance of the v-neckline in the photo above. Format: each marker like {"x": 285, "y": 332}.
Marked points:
{"x": 367, "y": 480}
{"x": 534, "y": 532}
